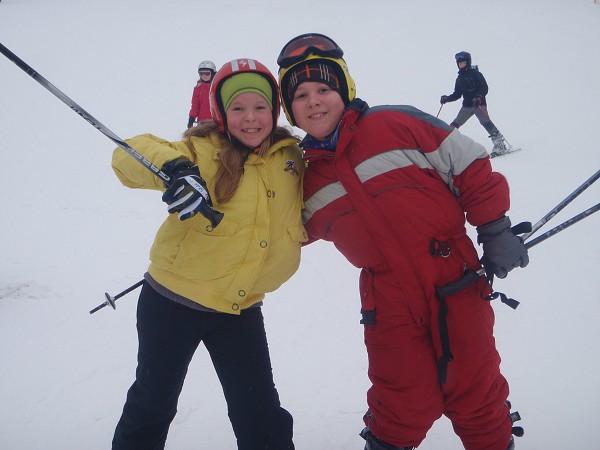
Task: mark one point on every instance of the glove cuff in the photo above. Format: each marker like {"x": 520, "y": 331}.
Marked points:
{"x": 492, "y": 229}
{"x": 177, "y": 165}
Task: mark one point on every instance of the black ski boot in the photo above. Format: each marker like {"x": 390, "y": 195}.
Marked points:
{"x": 374, "y": 443}
{"x": 516, "y": 430}
{"x": 511, "y": 444}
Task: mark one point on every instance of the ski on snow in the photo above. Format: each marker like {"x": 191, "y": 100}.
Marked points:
{"x": 508, "y": 151}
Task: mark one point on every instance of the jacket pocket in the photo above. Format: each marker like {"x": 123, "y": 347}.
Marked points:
{"x": 297, "y": 233}
{"x": 225, "y": 228}
{"x": 205, "y": 253}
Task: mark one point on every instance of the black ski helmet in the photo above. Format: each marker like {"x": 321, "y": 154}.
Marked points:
{"x": 463, "y": 56}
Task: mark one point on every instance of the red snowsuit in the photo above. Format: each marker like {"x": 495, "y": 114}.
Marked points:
{"x": 399, "y": 182}
{"x": 200, "y": 109}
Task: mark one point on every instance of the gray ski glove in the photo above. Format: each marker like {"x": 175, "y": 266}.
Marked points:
{"x": 502, "y": 249}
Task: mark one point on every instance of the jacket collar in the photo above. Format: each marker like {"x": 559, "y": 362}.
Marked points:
{"x": 315, "y": 149}
{"x": 286, "y": 142}
{"x": 310, "y": 143}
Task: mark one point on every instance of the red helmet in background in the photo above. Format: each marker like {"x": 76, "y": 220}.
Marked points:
{"x": 230, "y": 69}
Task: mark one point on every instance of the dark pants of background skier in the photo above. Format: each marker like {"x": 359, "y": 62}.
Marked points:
{"x": 465, "y": 113}
{"x": 169, "y": 334}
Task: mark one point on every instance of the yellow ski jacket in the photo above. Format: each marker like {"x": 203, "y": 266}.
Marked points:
{"x": 255, "y": 248}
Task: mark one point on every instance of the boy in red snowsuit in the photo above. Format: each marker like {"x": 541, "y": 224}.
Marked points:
{"x": 390, "y": 186}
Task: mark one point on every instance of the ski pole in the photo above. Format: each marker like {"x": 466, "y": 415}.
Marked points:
{"x": 568, "y": 199}
{"x": 111, "y": 300}
{"x": 557, "y": 229}
{"x": 562, "y": 226}
{"x": 484, "y": 112}
{"x": 210, "y": 213}
{"x": 472, "y": 276}
{"x": 440, "y": 110}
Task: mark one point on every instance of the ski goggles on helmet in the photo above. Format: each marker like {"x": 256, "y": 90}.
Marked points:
{"x": 301, "y": 46}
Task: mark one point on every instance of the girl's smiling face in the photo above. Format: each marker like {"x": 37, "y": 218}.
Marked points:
{"x": 250, "y": 119}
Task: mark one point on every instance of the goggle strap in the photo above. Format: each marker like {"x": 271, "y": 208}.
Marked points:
{"x": 306, "y": 40}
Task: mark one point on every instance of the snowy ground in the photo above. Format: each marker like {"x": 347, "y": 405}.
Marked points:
{"x": 70, "y": 231}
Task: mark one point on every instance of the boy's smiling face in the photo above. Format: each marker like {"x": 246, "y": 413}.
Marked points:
{"x": 317, "y": 109}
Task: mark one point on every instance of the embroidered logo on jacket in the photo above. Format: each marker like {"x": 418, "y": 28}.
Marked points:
{"x": 290, "y": 167}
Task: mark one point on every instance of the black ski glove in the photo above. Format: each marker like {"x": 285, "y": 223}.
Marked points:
{"x": 443, "y": 99}
{"x": 186, "y": 192}
{"x": 191, "y": 121}
{"x": 502, "y": 249}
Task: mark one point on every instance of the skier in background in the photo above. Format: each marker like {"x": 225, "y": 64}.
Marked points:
{"x": 389, "y": 186}
{"x": 207, "y": 284}
{"x": 472, "y": 87}
{"x": 200, "y": 110}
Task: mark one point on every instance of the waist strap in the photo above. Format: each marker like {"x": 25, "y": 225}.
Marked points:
{"x": 441, "y": 293}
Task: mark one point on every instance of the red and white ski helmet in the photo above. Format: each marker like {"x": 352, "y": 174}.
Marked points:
{"x": 230, "y": 69}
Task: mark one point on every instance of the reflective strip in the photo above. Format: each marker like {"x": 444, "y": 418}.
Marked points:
{"x": 384, "y": 162}
{"x": 368, "y": 169}
{"x": 322, "y": 198}
{"x": 453, "y": 156}
{"x": 456, "y": 153}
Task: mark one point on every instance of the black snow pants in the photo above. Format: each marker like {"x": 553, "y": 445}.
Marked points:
{"x": 169, "y": 334}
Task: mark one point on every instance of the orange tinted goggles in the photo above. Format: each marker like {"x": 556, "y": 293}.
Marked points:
{"x": 301, "y": 46}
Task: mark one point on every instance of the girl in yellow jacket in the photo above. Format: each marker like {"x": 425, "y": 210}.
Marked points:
{"x": 207, "y": 279}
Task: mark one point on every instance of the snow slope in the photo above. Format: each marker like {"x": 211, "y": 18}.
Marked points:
{"x": 70, "y": 231}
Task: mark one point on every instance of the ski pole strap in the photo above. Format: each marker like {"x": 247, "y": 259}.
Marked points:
{"x": 520, "y": 228}
{"x": 441, "y": 293}
{"x": 503, "y": 298}
{"x": 495, "y": 294}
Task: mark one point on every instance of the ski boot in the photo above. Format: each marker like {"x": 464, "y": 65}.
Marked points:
{"x": 500, "y": 145}
{"x": 375, "y": 444}
{"x": 516, "y": 430}
{"x": 511, "y": 444}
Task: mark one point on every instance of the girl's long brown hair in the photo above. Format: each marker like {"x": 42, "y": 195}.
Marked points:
{"x": 232, "y": 156}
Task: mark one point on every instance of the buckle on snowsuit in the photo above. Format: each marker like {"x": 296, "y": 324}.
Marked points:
{"x": 440, "y": 248}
